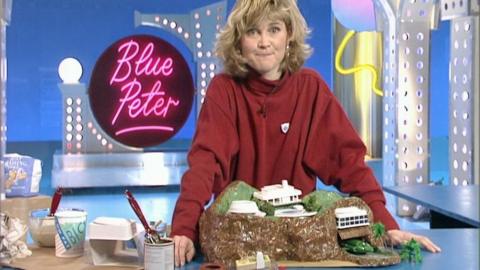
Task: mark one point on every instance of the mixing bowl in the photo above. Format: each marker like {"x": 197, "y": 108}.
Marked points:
{"x": 42, "y": 227}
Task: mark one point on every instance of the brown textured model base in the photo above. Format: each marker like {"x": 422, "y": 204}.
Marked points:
{"x": 226, "y": 238}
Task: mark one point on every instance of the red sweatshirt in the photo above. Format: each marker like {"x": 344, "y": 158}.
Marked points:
{"x": 239, "y": 136}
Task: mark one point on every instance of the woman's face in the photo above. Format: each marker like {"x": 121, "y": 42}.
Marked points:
{"x": 264, "y": 47}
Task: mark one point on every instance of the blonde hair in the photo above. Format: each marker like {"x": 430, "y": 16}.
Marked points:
{"x": 247, "y": 14}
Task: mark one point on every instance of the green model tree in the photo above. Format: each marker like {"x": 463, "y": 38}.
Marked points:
{"x": 379, "y": 232}
{"x": 411, "y": 252}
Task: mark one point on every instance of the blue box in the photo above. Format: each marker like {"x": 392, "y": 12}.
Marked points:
{"x": 22, "y": 175}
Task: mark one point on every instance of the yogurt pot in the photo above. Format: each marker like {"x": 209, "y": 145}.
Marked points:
{"x": 70, "y": 225}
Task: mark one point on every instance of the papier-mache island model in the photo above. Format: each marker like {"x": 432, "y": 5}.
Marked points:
{"x": 322, "y": 229}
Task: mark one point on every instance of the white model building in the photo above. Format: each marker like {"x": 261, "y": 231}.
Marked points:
{"x": 279, "y": 194}
{"x": 349, "y": 217}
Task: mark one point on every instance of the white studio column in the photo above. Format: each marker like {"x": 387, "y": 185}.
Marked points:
{"x": 406, "y": 83}
{"x": 386, "y": 17}
{"x": 464, "y": 157}
{"x": 5, "y": 12}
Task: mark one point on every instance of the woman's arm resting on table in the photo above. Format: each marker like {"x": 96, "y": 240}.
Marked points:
{"x": 184, "y": 250}
{"x": 398, "y": 237}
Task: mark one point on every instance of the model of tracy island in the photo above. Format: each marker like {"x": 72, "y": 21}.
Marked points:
{"x": 321, "y": 229}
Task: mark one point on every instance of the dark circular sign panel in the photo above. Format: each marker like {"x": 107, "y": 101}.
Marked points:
{"x": 141, "y": 91}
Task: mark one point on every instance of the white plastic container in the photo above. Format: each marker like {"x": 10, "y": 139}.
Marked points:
{"x": 116, "y": 242}
{"x": 245, "y": 207}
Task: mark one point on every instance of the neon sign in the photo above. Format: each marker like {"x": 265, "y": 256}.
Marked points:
{"x": 141, "y": 91}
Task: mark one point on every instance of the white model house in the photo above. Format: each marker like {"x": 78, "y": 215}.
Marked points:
{"x": 279, "y": 194}
{"x": 349, "y": 217}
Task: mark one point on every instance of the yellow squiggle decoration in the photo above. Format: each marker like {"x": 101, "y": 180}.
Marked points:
{"x": 341, "y": 70}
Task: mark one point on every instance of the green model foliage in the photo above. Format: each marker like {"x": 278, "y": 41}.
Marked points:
{"x": 320, "y": 200}
{"x": 264, "y": 206}
{"x": 238, "y": 190}
{"x": 357, "y": 246}
{"x": 267, "y": 207}
{"x": 411, "y": 252}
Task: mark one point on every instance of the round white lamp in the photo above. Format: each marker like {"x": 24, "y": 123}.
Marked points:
{"x": 70, "y": 70}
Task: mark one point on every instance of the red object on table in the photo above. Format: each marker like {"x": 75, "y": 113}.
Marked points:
{"x": 151, "y": 234}
{"x": 55, "y": 201}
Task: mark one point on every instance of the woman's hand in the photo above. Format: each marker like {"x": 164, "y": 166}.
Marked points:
{"x": 398, "y": 237}
{"x": 184, "y": 250}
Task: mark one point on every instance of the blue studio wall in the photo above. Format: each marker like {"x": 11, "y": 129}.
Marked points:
{"x": 43, "y": 32}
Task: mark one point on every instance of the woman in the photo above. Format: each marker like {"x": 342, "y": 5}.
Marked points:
{"x": 266, "y": 119}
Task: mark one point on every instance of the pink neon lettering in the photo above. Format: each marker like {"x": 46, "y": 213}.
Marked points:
{"x": 128, "y": 96}
{"x": 135, "y": 60}
{"x": 147, "y": 103}
{"x": 123, "y": 64}
{"x": 146, "y": 63}
{"x": 142, "y": 128}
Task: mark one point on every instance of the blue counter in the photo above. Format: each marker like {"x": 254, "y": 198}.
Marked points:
{"x": 459, "y": 251}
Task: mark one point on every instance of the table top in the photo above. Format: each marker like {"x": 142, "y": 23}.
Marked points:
{"x": 459, "y": 202}
{"x": 45, "y": 259}
{"x": 460, "y": 250}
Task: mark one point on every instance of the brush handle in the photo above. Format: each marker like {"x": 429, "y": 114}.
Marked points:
{"x": 55, "y": 201}
{"x": 138, "y": 212}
